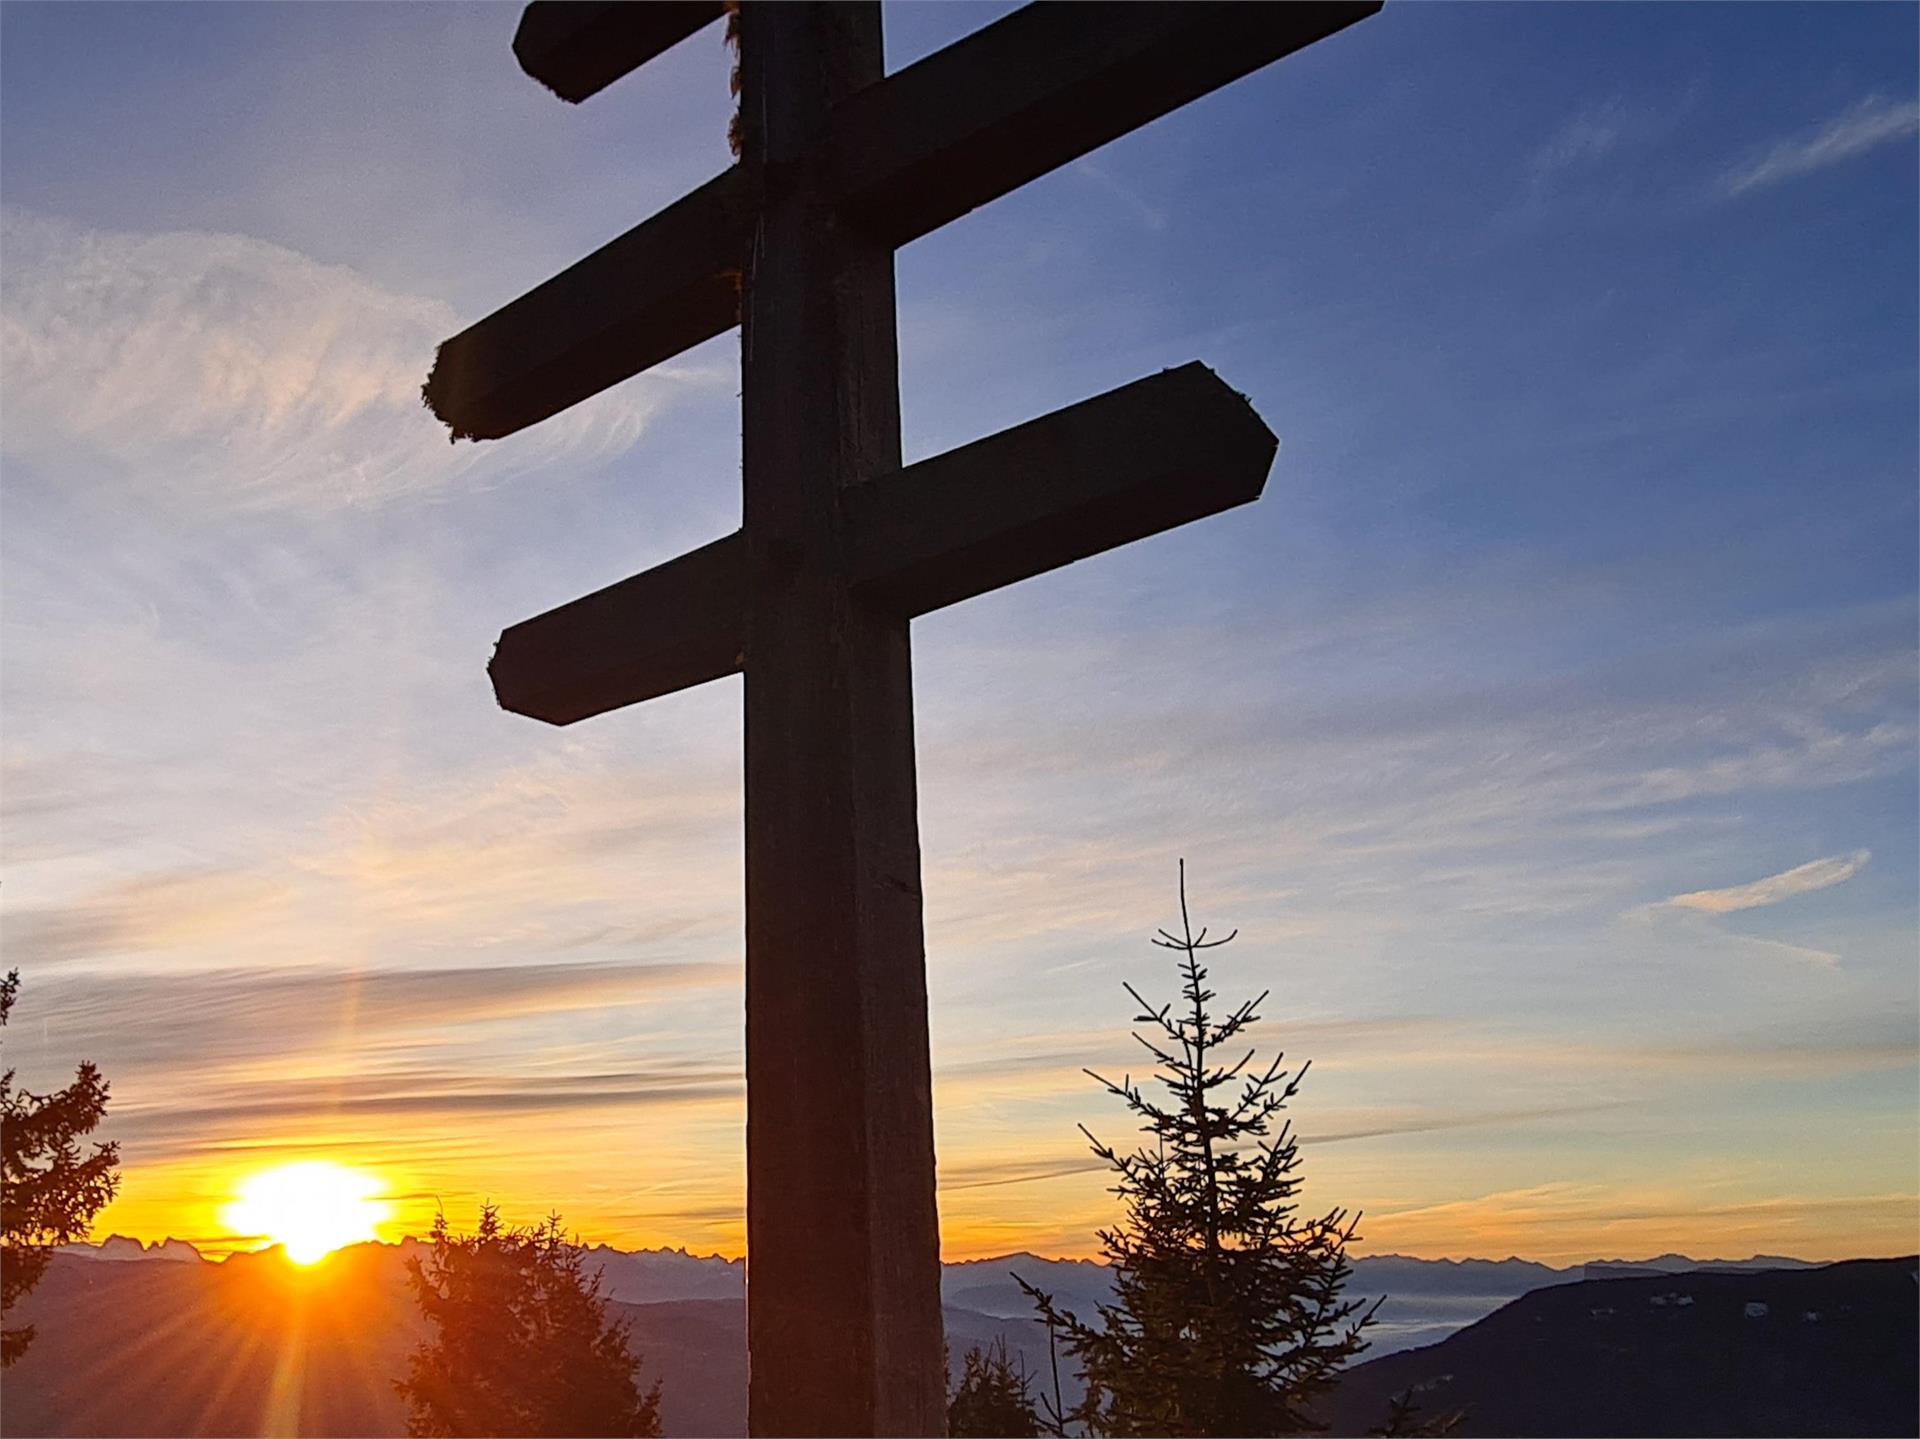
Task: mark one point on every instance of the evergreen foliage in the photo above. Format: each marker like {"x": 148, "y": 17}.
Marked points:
{"x": 49, "y": 1190}
{"x": 1404, "y": 1421}
{"x": 522, "y": 1343}
{"x": 993, "y": 1397}
{"x": 1228, "y": 1315}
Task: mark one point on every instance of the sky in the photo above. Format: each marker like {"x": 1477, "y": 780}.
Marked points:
{"x": 1548, "y": 729}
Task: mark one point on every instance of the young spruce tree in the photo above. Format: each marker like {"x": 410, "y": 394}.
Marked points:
{"x": 993, "y": 1399}
{"x": 1228, "y": 1316}
{"x": 522, "y": 1343}
{"x": 49, "y": 1188}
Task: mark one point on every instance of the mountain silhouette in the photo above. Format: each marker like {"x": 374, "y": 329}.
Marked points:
{"x": 142, "y": 1345}
{"x": 121, "y": 1247}
{"x": 1812, "y": 1350}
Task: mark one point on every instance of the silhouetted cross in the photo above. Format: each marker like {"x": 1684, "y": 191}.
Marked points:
{"x": 840, "y": 548}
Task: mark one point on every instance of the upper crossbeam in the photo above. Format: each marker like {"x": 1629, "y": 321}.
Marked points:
{"x": 577, "y": 48}
{"x": 1020, "y": 97}
{"x": 1040, "y": 88}
{"x": 661, "y": 288}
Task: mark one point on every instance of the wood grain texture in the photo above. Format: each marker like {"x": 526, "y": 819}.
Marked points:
{"x": 843, "y": 1243}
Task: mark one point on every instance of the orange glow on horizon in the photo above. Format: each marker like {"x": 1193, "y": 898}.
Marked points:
{"x": 310, "y": 1208}
{"x": 402, "y": 1181}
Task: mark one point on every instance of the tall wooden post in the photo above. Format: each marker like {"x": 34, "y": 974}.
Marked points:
{"x": 840, "y": 548}
{"x": 843, "y": 1303}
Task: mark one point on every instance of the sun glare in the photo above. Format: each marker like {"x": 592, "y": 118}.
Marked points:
{"x": 312, "y": 1208}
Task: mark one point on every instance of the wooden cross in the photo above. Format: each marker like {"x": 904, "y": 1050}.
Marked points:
{"x": 840, "y": 548}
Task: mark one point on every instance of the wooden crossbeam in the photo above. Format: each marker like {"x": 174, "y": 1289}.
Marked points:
{"x": 941, "y": 138}
{"x": 577, "y": 48}
{"x": 1010, "y": 102}
{"x": 661, "y": 288}
{"x": 1146, "y": 457}
{"x": 1132, "y": 462}
{"x": 668, "y": 628}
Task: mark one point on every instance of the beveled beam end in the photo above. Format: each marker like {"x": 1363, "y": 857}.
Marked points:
{"x": 1149, "y": 456}
{"x": 669, "y": 628}
{"x": 576, "y": 48}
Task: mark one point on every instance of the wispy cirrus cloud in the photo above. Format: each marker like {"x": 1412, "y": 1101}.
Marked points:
{"x": 233, "y": 371}
{"x": 1591, "y": 135}
{"x": 525, "y": 860}
{"x": 1415, "y": 1121}
{"x": 1590, "y": 150}
{"x": 1801, "y": 879}
{"x": 270, "y": 1104}
{"x": 1151, "y": 217}
{"x": 993, "y": 1173}
{"x": 243, "y": 1019}
{"x": 1379, "y": 1124}
{"x": 179, "y": 909}
{"x": 1872, "y": 122}
{"x": 1534, "y": 797}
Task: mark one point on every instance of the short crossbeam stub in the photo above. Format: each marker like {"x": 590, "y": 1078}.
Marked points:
{"x": 668, "y": 628}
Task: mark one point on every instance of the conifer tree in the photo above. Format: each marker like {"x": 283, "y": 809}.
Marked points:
{"x": 993, "y": 1397}
{"x": 1406, "y": 1420}
{"x": 522, "y": 1344}
{"x": 1228, "y": 1315}
{"x": 49, "y": 1190}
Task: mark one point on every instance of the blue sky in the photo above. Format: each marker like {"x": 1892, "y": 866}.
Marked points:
{"x": 1548, "y": 728}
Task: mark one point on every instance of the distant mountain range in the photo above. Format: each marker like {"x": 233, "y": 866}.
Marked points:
{"x": 253, "y": 1345}
{"x": 1425, "y": 1299}
{"x": 119, "y": 1246}
{"x": 1679, "y": 1264}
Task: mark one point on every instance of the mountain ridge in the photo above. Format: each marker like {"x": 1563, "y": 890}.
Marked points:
{"x": 166, "y": 1348}
{"x": 1819, "y": 1349}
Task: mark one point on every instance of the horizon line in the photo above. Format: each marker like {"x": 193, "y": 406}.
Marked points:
{"x": 212, "y": 1241}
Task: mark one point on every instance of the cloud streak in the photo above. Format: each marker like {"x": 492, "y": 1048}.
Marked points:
{"x": 456, "y": 1098}
{"x": 1801, "y": 879}
{"x": 149, "y": 912}
{"x": 1437, "y": 1123}
{"x": 1570, "y": 1221}
{"x": 1590, "y": 136}
{"x": 1873, "y": 122}
{"x": 238, "y": 1016}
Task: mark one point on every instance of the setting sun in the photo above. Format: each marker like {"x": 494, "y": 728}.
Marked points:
{"x": 312, "y": 1208}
